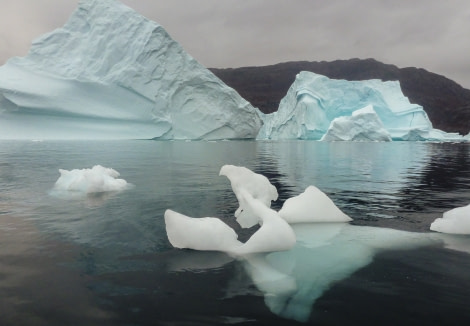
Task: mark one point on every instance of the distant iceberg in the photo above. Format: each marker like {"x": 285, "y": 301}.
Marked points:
{"x": 363, "y": 125}
{"x": 110, "y": 73}
{"x": 313, "y": 102}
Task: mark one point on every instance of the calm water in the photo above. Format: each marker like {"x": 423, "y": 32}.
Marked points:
{"x": 105, "y": 260}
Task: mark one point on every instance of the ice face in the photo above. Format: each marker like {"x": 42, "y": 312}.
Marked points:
{"x": 110, "y": 73}
{"x": 362, "y": 125}
{"x": 455, "y": 221}
{"x": 314, "y": 101}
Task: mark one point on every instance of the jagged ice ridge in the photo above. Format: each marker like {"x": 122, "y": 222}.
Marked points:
{"x": 111, "y": 73}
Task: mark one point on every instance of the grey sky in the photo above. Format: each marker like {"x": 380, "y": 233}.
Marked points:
{"x": 429, "y": 34}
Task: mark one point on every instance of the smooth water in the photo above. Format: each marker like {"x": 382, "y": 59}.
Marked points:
{"x": 105, "y": 259}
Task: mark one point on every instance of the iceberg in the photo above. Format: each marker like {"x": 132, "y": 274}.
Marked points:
{"x": 363, "y": 125}
{"x": 455, "y": 221}
{"x": 314, "y": 101}
{"x": 254, "y": 193}
{"x": 110, "y": 73}
{"x": 257, "y": 185}
{"x": 313, "y": 205}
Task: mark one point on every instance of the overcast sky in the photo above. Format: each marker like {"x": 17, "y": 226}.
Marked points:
{"x": 429, "y": 34}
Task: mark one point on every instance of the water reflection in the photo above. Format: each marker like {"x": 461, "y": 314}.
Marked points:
{"x": 325, "y": 254}
{"x": 440, "y": 184}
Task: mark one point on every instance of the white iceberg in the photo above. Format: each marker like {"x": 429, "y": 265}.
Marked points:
{"x": 254, "y": 193}
{"x": 312, "y": 205}
{"x": 110, "y": 73}
{"x": 205, "y": 233}
{"x": 314, "y": 101}
{"x": 363, "y": 125}
{"x": 455, "y": 221}
{"x": 212, "y": 234}
{"x": 98, "y": 179}
{"x": 257, "y": 185}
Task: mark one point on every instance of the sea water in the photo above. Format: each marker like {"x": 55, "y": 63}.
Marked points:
{"x": 105, "y": 259}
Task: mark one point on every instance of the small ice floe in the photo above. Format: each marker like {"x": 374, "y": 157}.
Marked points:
{"x": 82, "y": 182}
{"x": 312, "y": 205}
{"x": 254, "y": 193}
{"x": 211, "y": 234}
{"x": 455, "y": 221}
{"x": 257, "y": 185}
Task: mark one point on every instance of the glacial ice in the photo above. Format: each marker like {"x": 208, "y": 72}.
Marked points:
{"x": 314, "y": 101}
{"x": 454, "y": 221}
{"x": 205, "y": 233}
{"x": 362, "y": 125}
{"x": 211, "y": 234}
{"x": 98, "y": 179}
{"x": 257, "y": 185}
{"x": 110, "y": 73}
{"x": 254, "y": 193}
{"x": 312, "y": 205}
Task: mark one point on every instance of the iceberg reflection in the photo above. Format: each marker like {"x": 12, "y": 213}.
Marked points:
{"x": 324, "y": 254}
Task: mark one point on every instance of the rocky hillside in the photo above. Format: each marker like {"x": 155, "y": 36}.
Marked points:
{"x": 446, "y": 102}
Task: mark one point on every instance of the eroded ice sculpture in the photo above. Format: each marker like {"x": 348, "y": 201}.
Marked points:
{"x": 362, "y": 125}
{"x": 110, "y": 73}
{"x": 455, "y": 221}
{"x": 257, "y": 185}
{"x": 87, "y": 181}
{"x": 312, "y": 205}
{"x": 212, "y": 234}
{"x": 314, "y": 101}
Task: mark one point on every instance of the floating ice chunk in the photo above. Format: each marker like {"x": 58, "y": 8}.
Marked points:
{"x": 312, "y": 205}
{"x": 257, "y": 185}
{"x": 210, "y": 233}
{"x": 87, "y": 181}
{"x": 363, "y": 125}
{"x": 455, "y": 221}
{"x": 275, "y": 234}
{"x": 206, "y": 233}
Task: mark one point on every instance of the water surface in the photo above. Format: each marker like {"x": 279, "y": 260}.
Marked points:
{"x": 105, "y": 259}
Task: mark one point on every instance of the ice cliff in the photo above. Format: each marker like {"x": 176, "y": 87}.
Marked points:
{"x": 111, "y": 73}
{"x": 313, "y": 102}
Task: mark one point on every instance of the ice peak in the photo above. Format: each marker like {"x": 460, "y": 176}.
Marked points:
{"x": 124, "y": 76}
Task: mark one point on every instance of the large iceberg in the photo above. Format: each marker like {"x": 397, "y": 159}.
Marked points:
{"x": 313, "y": 102}
{"x": 111, "y": 73}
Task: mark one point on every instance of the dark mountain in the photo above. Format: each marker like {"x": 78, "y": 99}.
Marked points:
{"x": 446, "y": 102}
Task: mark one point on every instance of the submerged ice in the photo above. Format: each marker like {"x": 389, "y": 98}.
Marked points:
{"x": 111, "y": 73}
{"x": 317, "y": 107}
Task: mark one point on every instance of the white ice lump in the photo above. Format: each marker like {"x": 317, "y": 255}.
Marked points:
{"x": 312, "y": 205}
{"x": 254, "y": 193}
{"x": 455, "y": 221}
{"x": 87, "y": 181}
